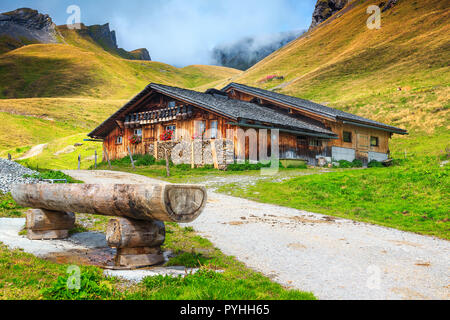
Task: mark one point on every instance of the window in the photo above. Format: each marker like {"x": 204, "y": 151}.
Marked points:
{"x": 138, "y": 132}
{"x": 199, "y": 129}
{"x": 171, "y": 127}
{"x": 119, "y": 140}
{"x": 214, "y": 129}
{"x": 172, "y": 104}
{"x": 347, "y": 136}
{"x": 302, "y": 141}
{"x": 374, "y": 141}
{"x": 315, "y": 143}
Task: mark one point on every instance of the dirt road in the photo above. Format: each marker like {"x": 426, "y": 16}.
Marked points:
{"x": 333, "y": 258}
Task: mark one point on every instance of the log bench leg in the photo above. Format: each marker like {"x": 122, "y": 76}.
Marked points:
{"x": 138, "y": 242}
{"x": 48, "y": 225}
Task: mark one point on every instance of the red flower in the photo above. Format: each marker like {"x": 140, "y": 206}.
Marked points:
{"x": 135, "y": 139}
{"x": 166, "y": 135}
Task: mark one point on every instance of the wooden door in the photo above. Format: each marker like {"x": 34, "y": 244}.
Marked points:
{"x": 362, "y": 146}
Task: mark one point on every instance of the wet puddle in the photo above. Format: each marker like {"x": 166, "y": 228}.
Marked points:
{"x": 100, "y": 257}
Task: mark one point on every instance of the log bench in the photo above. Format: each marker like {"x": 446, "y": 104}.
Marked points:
{"x": 138, "y": 212}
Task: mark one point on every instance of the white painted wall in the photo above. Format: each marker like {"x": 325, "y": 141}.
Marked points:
{"x": 338, "y": 153}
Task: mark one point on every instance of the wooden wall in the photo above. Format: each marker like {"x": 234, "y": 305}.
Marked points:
{"x": 359, "y": 134}
{"x": 290, "y": 145}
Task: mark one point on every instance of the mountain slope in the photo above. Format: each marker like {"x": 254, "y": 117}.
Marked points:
{"x": 82, "y": 68}
{"x": 398, "y": 74}
{"x": 49, "y": 91}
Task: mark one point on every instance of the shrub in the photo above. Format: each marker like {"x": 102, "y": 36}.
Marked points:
{"x": 357, "y": 163}
{"x": 183, "y": 167}
{"x": 345, "y": 164}
{"x": 51, "y": 174}
{"x": 161, "y": 162}
{"x": 248, "y": 166}
{"x": 7, "y": 202}
{"x": 93, "y": 286}
{"x": 374, "y": 164}
{"x": 144, "y": 160}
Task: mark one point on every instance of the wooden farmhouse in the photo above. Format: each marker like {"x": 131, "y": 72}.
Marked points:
{"x": 163, "y": 114}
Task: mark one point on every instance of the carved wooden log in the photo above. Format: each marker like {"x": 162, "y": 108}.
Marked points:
{"x": 151, "y": 257}
{"x": 45, "y": 225}
{"x": 138, "y": 243}
{"x": 163, "y": 202}
{"x": 128, "y": 233}
{"x": 39, "y": 219}
{"x": 47, "y": 234}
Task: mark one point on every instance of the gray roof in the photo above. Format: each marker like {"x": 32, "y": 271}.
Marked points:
{"x": 220, "y": 104}
{"x": 310, "y": 106}
{"x": 239, "y": 110}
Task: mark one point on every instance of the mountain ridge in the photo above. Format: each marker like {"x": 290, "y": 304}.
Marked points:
{"x": 25, "y": 26}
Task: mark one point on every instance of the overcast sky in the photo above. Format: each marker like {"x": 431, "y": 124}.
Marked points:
{"x": 180, "y": 32}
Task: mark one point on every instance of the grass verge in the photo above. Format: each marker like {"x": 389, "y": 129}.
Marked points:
{"x": 411, "y": 196}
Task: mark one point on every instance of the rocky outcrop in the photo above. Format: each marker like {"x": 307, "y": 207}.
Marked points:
{"x": 389, "y": 5}
{"x": 103, "y": 35}
{"x": 106, "y": 38}
{"x": 141, "y": 54}
{"x": 325, "y": 9}
{"x": 28, "y": 26}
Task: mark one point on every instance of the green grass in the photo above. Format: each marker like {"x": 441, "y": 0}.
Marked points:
{"x": 52, "y": 156}
{"x": 345, "y": 65}
{"x": 23, "y": 276}
{"x": 9, "y": 208}
{"x": 410, "y": 196}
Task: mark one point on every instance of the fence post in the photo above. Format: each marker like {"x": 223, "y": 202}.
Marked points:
{"x": 131, "y": 157}
{"x": 9, "y": 157}
{"x": 95, "y": 159}
{"x": 107, "y": 157}
{"x": 79, "y": 161}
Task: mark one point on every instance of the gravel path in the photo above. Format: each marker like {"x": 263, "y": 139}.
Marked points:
{"x": 12, "y": 173}
{"x": 333, "y": 258}
{"x": 34, "y": 151}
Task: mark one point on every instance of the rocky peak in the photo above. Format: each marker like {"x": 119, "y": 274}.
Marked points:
{"x": 103, "y": 35}
{"x": 141, "y": 54}
{"x": 28, "y": 24}
{"x": 325, "y": 9}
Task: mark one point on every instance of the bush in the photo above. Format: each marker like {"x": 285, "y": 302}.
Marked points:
{"x": 357, "y": 163}
{"x": 51, "y": 174}
{"x": 161, "y": 162}
{"x": 248, "y": 166}
{"x": 183, "y": 167}
{"x": 7, "y": 202}
{"x": 93, "y": 286}
{"x": 144, "y": 160}
{"x": 374, "y": 164}
{"x": 344, "y": 164}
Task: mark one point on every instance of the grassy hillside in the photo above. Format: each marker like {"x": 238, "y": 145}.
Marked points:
{"x": 49, "y": 91}
{"x": 32, "y": 121}
{"x": 345, "y": 65}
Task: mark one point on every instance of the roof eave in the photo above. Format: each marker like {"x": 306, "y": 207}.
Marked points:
{"x": 373, "y": 126}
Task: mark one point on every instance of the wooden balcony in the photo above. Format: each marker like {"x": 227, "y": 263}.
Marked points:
{"x": 158, "y": 116}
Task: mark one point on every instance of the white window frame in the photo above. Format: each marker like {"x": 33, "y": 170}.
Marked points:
{"x": 214, "y": 129}
{"x": 119, "y": 139}
{"x": 138, "y": 132}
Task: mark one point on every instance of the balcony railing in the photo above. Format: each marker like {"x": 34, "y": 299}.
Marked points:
{"x": 158, "y": 116}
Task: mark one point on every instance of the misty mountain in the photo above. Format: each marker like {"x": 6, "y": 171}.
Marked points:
{"x": 245, "y": 52}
